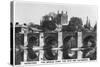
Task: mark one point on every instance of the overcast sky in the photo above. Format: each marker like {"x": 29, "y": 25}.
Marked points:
{"x": 26, "y": 12}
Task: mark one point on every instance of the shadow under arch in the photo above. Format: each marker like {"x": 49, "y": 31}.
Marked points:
{"x": 32, "y": 54}
{"x": 91, "y": 39}
{"x": 50, "y": 42}
{"x": 88, "y": 48}
{"x": 68, "y": 43}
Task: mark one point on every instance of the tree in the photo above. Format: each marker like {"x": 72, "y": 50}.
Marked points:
{"x": 75, "y": 24}
{"x": 48, "y": 24}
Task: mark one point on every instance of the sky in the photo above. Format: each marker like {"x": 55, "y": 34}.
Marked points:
{"x": 27, "y": 11}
